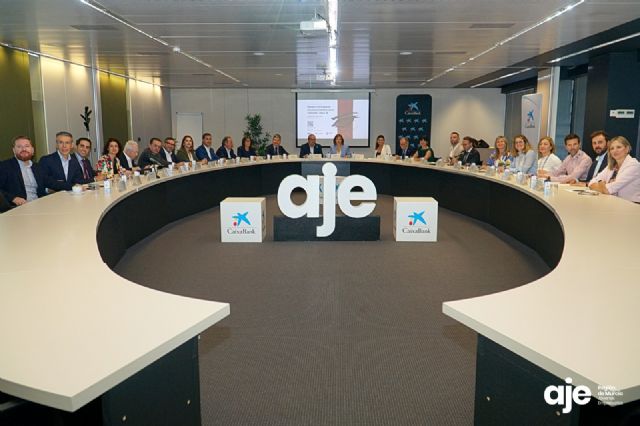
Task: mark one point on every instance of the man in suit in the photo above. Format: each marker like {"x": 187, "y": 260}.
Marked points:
{"x": 204, "y": 151}
{"x": 469, "y": 154}
{"x": 151, "y": 156}
{"x": 226, "y": 150}
{"x": 21, "y": 180}
{"x": 311, "y": 147}
{"x": 600, "y": 145}
{"x": 168, "y": 150}
{"x": 404, "y": 150}
{"x": 61, "y": 170}
{"x": 275, "y": 148}
{"x": 128, "y": 156}
{"x": 83, "y": 150}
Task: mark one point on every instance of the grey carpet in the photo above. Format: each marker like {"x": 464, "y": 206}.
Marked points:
{"x": 335, "y": 333}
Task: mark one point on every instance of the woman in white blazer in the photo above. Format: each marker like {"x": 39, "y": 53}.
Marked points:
{"x": 382, "y": 149}
{"x": 621, "y": 177}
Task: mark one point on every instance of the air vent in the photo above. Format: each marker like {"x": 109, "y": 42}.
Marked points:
{"x": 94, "y": 27}
{"x": 491, "y": 26}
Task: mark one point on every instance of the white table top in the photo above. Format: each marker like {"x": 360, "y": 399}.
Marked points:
{"x": 71, "y": 328}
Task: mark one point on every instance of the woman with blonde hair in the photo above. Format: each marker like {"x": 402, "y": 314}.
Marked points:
{"x": 524, "y": 157}
{"x": 548, "y": 161}
{"x": 501, "y": 155}
{"x": 621, "y": 177}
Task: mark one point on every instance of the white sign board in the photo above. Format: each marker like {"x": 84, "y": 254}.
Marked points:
{"x": 415, "y": 219}
{"x": 243, "y": 220}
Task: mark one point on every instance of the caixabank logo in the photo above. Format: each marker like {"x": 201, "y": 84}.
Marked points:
{"x": 417, "y": 224}
{"x": 241, "y": 224}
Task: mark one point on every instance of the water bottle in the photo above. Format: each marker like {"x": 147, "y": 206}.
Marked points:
{"x": 533, "y": 182}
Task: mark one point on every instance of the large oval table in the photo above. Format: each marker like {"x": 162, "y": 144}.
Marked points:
{"x": 72, "y": 330}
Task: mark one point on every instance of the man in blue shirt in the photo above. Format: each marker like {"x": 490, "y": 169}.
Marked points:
{"x": 20, "y": 178}
{"x": 61, "y": 170}
{"x": 204, "y": 151}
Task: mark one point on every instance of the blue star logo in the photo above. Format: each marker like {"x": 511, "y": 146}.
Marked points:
{"x": 241, "y": 217}
{"x": 417, "y": 217}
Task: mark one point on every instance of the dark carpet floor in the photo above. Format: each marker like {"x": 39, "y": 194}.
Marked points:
{"x": 334, "y": 333}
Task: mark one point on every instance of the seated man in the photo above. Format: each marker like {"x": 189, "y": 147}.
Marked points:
{"x": 20, "y": 178}
{"x": 311, "y": 147}
{"x": 404, "y": 150}
{"x": 574, "y": 167}
{"x": 226, "y": 150}
{"x": 128, "y": 156}
{"x": 600, "y": 146}
{"x": 456, "y": 147}
{"x": 168, "y": 150}
{"x": 204, "y": 151}
{"x": 61, "y": 170}
{"x": 83, "y": 150}
{"x": 469, "y": 154}
{"x": 275, "y": 148}
{"x": 151, "y": 156}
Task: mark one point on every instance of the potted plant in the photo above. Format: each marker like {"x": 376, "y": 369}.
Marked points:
{"x": 254, "y": 131}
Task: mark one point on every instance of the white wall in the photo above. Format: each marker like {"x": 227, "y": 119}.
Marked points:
{"x": 150, "y": 111}
{"x": 66, "y": 89}
{"x": 475, "y": 112}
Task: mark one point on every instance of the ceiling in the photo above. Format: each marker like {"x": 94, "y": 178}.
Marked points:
{"x": 258, "y": 43}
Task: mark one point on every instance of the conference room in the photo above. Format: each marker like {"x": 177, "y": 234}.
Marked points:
{"x": 319, "y": 212}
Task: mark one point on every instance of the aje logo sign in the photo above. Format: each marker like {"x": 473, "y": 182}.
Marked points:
{"x": 563, "y": 395}
{"x": 311, "y": 206}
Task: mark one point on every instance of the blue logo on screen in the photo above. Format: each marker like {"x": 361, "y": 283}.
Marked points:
{"x": 241, "y": 217}
{"x": 417, "y": 217}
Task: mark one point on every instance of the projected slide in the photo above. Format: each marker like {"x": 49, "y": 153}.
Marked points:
{"x": 327, "y": 117}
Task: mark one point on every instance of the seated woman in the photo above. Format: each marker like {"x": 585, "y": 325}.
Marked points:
{"x": 339, "y": 147}
{"x": 424, "y": 150}
{"x": 621, "y": 177}
{"x": 382, "y": 148}
{"x": 548, "y": 162}
{"x": 524, "y": 157}
{"x": 245, "y": 150}
{"x": 109, "y": 164}
{"x": 500, "y": 157}
{"x": 187, "y": 153}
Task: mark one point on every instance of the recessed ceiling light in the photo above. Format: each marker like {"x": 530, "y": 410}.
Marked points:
{"x": 176, "y": 49}
{"x": 406, "y": 53}
{"x": 278, "y": 75}
{"x": 258, "y": 53}
{"x": 386, "y": 74}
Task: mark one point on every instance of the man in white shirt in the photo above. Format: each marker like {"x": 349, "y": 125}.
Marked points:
{"x": 456, "y": 147}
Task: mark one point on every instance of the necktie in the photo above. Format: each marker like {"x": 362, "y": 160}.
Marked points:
{"x": 85, "y": 168}
{"x": 276, "y": 150}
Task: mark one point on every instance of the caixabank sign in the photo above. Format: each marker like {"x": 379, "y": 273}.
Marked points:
{"x": 415, "y": 219}
{"x": 242, "y": 220}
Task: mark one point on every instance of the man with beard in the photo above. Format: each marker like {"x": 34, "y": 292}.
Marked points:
{"x": 600, "y": 145}
{"x": 21, "y": 180}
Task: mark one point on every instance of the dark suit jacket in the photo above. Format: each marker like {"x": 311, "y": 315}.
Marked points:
{"x": 145, "y": 159}
{"x": 222, "y": 153}
{"x": 51, "y": 167}
{"x": 592, "y": 170}
{"x": 12, "y": 184}
{"x": 306, "y": 149}
{"x": 124, "y": 163}
{"x": 272, "y": 151}
{"x": 472, "y": 157}
{"x": 410, "y": 151}
{"x": 242, "y": 153}
{"x": 165, "y": 156}
{"x": 201, "y": 153}
{"x": 92, "y": 172}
